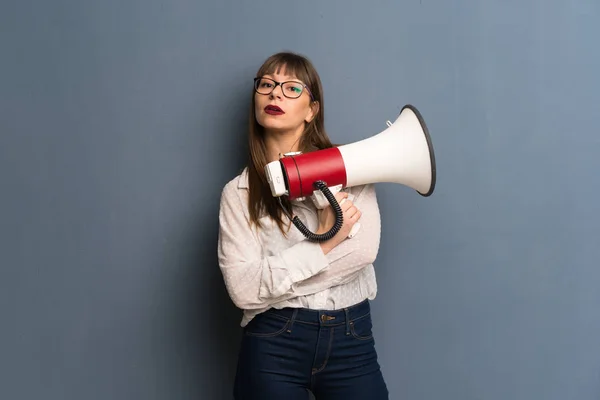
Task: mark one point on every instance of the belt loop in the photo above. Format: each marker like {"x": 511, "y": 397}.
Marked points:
{"x": 289, "y": 329}
{"x": 347, "y": 321}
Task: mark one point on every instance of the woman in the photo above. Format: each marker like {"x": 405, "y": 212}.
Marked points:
{"x": 306, "y": 321}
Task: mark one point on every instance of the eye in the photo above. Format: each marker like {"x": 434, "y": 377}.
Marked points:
{"x": 294, "y": 88}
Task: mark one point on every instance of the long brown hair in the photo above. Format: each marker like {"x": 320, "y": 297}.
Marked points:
{"x": 314, "y": 137}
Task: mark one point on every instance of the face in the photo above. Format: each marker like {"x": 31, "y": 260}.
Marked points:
{"x": 280, "y": 114}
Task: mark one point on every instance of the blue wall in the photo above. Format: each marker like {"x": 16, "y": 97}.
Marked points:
{"x": 121, "y": 120}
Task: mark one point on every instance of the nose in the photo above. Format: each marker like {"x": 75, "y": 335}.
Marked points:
{"x": 279, "y": 93}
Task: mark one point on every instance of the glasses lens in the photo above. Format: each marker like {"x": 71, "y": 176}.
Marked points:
{"x": 264, "y": 85}
{"x": 292, "y": 89}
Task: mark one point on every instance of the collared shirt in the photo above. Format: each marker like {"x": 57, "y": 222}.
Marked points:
{"x": 263, "y": 269}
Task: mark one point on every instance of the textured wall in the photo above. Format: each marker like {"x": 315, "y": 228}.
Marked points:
{"x": 121, "y": 120}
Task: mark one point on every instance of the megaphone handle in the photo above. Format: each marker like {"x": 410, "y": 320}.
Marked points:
{"x": 354, "y": 230}
{"x": 339, "y": 217}
{"x": 356, "y": 226}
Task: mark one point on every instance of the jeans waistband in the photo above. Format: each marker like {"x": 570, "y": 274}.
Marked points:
{"x": 325, "y": 317}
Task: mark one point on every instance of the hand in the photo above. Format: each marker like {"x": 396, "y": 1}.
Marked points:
{"x": 327, "y": 218}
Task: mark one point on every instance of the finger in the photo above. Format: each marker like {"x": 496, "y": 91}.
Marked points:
{"x": 345, "y": 204}
{"x": 351, "y": 211}
{"x": 356, "y": 216}
{"x": 339, "y": 196}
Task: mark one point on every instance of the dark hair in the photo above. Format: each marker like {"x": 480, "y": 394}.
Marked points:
{"x": 313, "y": 138}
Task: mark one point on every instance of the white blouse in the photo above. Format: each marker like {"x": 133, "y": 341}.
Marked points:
{"x": 263, "y": 269}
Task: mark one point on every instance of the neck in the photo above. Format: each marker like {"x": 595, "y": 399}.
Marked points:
{"x": 280, "y": 143}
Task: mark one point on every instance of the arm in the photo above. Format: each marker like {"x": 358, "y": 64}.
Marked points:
{"x": 347, "y": 259}
{"x": 252, "y": 279}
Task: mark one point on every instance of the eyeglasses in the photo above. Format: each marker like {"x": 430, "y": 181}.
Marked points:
{"x": 290, "y": 89}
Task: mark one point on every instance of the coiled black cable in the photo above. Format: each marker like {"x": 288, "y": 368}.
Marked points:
{"x": 339, "y": 217}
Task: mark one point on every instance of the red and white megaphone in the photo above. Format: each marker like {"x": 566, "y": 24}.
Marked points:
{"x": 402, "y": 153}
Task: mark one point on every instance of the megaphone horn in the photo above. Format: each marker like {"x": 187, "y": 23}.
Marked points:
{"x": 402, "y": 153}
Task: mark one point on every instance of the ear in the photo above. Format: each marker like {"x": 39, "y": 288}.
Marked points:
{"x": 312, "y": 112}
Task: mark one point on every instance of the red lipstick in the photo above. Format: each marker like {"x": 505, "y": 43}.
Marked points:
{"x": 273, "y": 110}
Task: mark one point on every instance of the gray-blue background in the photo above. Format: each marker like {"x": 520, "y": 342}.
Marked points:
{"x": 120, "y": 121}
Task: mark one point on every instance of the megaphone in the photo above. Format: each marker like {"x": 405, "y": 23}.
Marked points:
{"x": 402, "y": 153}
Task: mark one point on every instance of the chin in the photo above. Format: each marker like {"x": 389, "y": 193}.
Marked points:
{"x": 269, "y": 124}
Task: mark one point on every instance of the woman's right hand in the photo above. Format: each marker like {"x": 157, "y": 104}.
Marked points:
{"x": 327, "y": 218}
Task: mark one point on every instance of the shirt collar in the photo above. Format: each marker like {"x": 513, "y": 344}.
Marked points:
{"x": 243, "y": 181}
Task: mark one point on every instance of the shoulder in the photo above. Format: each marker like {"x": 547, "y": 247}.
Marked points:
{"x": 240, "y": 181}
{"x": 233, "y": 187}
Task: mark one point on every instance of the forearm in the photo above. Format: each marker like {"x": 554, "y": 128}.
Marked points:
{"x": 258, "y": 283}
{"x": 348, "y": 258}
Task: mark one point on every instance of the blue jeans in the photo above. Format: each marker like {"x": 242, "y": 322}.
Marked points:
{"x": 285, "y": 353}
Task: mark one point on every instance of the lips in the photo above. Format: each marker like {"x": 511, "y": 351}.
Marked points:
{"x": 273, "y": 110}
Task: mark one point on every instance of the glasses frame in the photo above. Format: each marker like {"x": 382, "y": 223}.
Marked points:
{"x": 304, "y": 86}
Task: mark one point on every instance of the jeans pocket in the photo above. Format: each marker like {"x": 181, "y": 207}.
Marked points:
{"x": 362, "y": 327}
{"x": 266, "y": 324}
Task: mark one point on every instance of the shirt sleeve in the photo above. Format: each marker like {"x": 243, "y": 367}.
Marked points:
{"x": 253, "y": 280}
{"x": 347, "y": 259}
{"x": 256, "y": 281}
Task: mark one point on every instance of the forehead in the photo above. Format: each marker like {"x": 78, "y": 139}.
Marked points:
{"x": 282, "y": 73}
{"x": 281, "y": 77}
